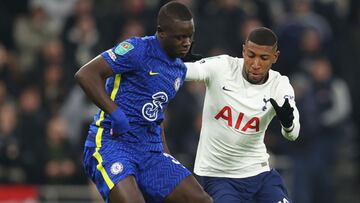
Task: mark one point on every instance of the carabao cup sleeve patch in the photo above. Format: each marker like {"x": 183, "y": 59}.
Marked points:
{"x": 123, "y": 48}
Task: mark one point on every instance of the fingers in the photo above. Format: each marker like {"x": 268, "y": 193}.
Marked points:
{"x": 286, "y": 103}
{"x": 274, "y": 104}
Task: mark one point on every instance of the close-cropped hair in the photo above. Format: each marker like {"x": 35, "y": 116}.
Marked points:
{"x": 173, "y": 11}
{"x": 263, "y": 36}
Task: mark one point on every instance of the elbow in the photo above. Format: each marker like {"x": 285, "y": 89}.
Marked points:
{"x": 79, "y": 76}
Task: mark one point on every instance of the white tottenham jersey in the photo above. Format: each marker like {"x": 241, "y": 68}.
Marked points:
{"x": 235, "y": 117}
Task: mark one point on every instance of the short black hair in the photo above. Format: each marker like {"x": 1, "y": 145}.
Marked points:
{"x": 263, "y": 36}
{"x": 173, "y": 11}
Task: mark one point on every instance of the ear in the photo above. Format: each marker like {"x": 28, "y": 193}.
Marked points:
{"x": 160, "y": 32}
{"x": 276, "y": 56}
{"x": 243, "y": 49}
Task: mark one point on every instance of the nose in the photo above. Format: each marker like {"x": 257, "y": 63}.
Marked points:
{"x": 187, "y": 41}
{"x": 256, "y": 64}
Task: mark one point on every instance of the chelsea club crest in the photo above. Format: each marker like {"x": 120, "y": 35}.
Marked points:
{"x": 177, "y": 84}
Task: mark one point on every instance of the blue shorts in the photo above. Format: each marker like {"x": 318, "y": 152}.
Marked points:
{"x": 267, "y": 187}
{"x": 156, "y": 173}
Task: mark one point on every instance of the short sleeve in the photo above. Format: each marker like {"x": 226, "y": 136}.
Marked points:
{"x": 204, "y": 69}
{"x": 125, "y": 56}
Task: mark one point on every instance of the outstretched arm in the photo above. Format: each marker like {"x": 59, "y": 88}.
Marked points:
{"x": 91, "y": 78}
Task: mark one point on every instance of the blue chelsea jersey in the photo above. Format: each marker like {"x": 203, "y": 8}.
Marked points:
{"x": 145, "y": 80}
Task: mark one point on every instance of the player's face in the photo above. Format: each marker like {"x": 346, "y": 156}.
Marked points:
{"x": 177, "y": 38}
{"x": 258, "y": 60}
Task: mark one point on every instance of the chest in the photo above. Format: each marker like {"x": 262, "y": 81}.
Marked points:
{"x": 158, "y": 77}
{"x": 239, "y": 105}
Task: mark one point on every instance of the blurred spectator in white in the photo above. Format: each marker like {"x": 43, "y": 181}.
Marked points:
{"x": 76, "y": 103}
{"x": 56, "y": 10}
{"x": 31, "y": 33}
{"x": 82, "y": 40}
{"x": 80, "y": 9}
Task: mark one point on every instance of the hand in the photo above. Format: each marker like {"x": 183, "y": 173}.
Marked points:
{"x": 190, "y": 57}
{"x": 284, "y": 113}
{"x": 119, "y": 122}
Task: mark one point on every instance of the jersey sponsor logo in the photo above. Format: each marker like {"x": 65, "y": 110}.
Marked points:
{"x": 111, "y": 54}
{"x": 226, "y": 114}
{"x": 265, "y": 101}
{"x": 150, "y": 110}
{"x": 116, "y": 168}
{"x": 226, "y": 89}
{"x": 152, "y": 73}
{"x": 123, "y": 48}
{"x": 177, "y": 84}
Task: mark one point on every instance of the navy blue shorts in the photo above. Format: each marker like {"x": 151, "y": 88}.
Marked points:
{"x": 267, "y": 187}
{"x": 156, "y": 173}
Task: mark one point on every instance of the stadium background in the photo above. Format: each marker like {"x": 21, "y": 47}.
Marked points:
{"x": 44, "y": 115}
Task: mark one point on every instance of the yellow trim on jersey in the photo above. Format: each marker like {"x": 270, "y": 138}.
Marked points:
{"x": 116, "y": 86}
{"x": 100, "y": 167}
{"x": 100, "y": 132}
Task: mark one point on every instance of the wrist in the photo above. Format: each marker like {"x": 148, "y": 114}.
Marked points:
{"x": 289, "y": 129}
{"x": 119, "y": 122}
{"x": 117, "y": 115}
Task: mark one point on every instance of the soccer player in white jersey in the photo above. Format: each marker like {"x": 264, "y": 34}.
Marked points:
{"x": 242, "y": 97}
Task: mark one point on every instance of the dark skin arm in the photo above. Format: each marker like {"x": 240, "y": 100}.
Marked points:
{"x": 91, "y": 77}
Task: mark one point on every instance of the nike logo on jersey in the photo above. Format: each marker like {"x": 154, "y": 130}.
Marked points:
{"x": 153, "y": 73}
{"x": 226, "y": 89}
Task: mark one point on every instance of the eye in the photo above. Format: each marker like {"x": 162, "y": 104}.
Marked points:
{"x": 183, "y": 37}
{"x": 251, "y": 55}
{"x": 179, "y": 37}
{"x": 265, "y": 58}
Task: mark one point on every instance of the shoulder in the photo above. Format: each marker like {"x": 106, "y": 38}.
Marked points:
{"x": 131, "y": 45}
{"x": 219, "y": 60}
{"x": 277, "y": 78}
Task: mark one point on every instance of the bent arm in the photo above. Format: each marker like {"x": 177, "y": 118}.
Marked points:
{"x": 293, "y": 132}
{"x": 91, "y": 77}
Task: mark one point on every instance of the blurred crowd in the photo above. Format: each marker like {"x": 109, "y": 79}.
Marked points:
{"x": 44, "y": 115}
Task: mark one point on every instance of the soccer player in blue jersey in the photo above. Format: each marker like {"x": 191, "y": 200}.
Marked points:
{"x": 125, "y": 152}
